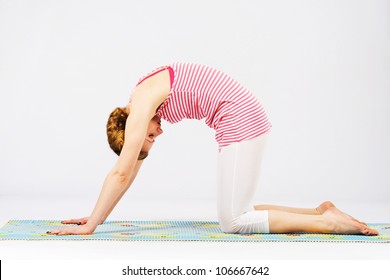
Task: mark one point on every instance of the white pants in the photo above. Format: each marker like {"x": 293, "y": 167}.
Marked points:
{"x": 238, "y": 173}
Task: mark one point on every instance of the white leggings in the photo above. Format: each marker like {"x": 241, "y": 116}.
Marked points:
{"x": 238, "y": 172}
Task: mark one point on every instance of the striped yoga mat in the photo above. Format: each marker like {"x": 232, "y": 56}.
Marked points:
{"x": 173, "y": 231}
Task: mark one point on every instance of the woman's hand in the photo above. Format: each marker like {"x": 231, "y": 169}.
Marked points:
{"x": 78, "y": 230}
{"x": 81, "y": 221}
{"x": 81, "y": 228}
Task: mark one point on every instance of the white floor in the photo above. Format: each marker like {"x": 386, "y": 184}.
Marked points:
{"x": 55, "y": 208}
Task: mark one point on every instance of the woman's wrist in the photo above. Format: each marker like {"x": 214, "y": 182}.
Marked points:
{"x": 92, "y": 225}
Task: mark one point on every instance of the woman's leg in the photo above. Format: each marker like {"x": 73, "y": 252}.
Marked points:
{"x": 309, "y": 211}
{"x": 238, "y": 170}
{"x": 331, "y": 221}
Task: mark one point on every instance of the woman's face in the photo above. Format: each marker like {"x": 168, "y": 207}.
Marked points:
{"x": 154, "y": 130}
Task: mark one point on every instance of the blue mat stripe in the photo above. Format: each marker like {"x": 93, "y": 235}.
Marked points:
{"x": 172, "y": 231}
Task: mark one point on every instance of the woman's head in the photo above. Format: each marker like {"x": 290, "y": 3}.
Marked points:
{"x": 116, "y": 125}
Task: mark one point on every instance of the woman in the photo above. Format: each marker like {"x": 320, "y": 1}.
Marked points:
{"x": 185, "y": 90}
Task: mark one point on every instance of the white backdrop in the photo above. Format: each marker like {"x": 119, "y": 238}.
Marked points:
{"x": 320, "y": 68}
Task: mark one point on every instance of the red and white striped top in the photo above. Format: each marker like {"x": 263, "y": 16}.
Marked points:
{"x": 202, "y": 92}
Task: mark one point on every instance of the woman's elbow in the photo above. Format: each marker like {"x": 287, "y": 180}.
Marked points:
{"x": 118, "y": 176}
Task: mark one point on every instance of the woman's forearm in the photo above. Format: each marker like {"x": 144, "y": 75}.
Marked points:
{"x": 110, "y": 179}
{"x": 129, "y": 183}
{"x": 113, "y": 189}
{"x": 113, "y": 205}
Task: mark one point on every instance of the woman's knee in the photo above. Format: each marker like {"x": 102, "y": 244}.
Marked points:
{"x": 227, "y": 226}
{"x": 249, "y": 222}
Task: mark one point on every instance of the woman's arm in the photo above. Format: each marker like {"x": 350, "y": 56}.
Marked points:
{"x": 120, "y": 177}
{"x": 84, "y": 220}
{"x": 134, "y": 175}
{"x": 146, "y": 99}
{"x": 114, "y": 191}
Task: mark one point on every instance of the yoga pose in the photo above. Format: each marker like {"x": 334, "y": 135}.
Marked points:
{"x": 193, "y": 91}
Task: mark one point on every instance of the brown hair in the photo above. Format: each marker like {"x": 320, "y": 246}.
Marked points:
{"x": 116, "y": 125}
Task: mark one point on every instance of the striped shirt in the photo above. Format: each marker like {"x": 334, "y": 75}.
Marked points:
{"x": 202, "y": 92}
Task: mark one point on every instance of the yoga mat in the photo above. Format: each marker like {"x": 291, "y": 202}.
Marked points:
{"x": 172, "y": 231}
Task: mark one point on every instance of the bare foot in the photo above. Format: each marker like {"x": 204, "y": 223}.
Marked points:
{"x": 328, "y": 204}
{"x": 341, "y": 223}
